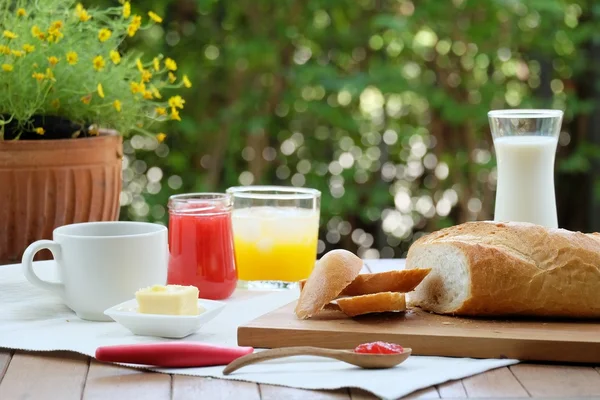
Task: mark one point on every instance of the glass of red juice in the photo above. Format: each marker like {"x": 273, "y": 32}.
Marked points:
{"x": 201, "y": 244}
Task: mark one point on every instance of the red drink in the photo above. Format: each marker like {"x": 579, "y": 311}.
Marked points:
{"x": 201, "y": 244}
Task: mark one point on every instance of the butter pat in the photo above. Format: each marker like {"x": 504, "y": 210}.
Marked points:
{"x": 168, "y": 300}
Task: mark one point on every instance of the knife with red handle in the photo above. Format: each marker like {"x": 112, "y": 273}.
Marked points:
{"x": 171, "y": 354}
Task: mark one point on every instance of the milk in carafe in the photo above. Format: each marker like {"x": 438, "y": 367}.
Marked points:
{"x": 525, "y": 190}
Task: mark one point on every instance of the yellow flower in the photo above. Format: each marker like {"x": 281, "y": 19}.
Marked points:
{"x": 137, "y": 87}
{"x": 100, "y": 90}
{"x": 117, "y": 105}
{"x": 28, "y": 48}
{"x": 39, "y": 76}
{"x": 148, "y": 95}
{"x": 161, "y": 137}
{"x": 134, "y": 25}
{"x": 55, "y": 103}
{"x": 186, "y": 82}
{"x": 172, "y": 77}
{"x": 18, "y": 53}
{"x": 156, "y": 93}
{"x": 53, "y": 60}
{"x": 171, "y": 64}
{"x": 86, "y": 99}
{"x": 54, "y": 33}
{"x": 56, "y": 25}
{"x": 154, "y": 17}
{"x": 146, "y": 76}
{"x": 104, "y": 34}
{"x": 82, "y": 13}
{"x": 126, "y": 10}
{"x": 35, "y": 31}
{"x": 7, "y": 67}
{"x": 175, "y": 114}
{"x": 156, "y": 64}
{"x": 131, "y": 30}
{"x": 21, "y": 12}
{"x": 40, "y": 131}
{"x": 161, "y": 111}
{"x": 115, "y": 57}
{"x": 4, "y": 49}
{"x": 55, "y": 36}
{"x": 50, "y": 74}
{"x": 72, "y": 58}
{"x": 10, "y": 35}
{"x": 139, "y": 65}
{"x": 98, "y": 63}
{"x": 176, "y": 101}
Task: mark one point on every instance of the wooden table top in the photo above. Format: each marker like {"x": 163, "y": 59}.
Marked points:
{"x": 65, "y": 376}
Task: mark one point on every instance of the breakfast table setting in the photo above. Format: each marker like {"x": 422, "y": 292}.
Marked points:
{"x": 229, "y": 300}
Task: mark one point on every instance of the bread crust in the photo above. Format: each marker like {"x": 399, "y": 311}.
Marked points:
{"x": 390, "y": 281}
{"x": 372, "y": 303}
{"x": 517, "y": 269}
{"x": 332, "y": 273}
{"x": 404, "y": 280}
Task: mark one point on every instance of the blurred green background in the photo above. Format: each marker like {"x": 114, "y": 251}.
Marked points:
{"x": 381, "y": 105}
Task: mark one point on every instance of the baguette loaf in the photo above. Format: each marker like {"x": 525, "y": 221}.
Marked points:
{"x": 502, "y": 269}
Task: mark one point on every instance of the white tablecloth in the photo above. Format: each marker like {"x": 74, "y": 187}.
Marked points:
{"x": 34, "y": 319}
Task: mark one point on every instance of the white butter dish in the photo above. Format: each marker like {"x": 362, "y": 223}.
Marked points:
{"x": 167, "y": 326}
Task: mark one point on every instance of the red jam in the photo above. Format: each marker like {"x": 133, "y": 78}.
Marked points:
{"x": 379, "y": 348}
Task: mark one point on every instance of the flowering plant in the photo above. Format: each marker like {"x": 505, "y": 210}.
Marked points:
{"x": 62, "y": 73}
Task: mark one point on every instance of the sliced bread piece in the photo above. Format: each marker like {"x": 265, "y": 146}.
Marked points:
{"x": 372, "y": 303}
{"x": 332, "y": 273}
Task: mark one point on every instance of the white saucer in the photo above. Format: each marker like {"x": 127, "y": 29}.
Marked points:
{"x": 167, "y": 326}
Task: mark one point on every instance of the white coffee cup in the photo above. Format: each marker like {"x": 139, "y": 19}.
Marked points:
{"x": 101, "y": 264}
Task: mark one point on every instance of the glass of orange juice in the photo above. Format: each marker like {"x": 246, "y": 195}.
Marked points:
{"x": 275, "y": 234}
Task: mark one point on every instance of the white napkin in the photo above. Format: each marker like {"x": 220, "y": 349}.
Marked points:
{"x": 34, "y": 319}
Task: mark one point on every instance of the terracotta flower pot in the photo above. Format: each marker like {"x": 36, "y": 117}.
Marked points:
{"x": 48, "y": 183}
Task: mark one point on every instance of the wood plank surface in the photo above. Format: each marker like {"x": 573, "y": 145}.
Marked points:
{"x": 272, "y": 392}
{"x": 427, "y": 393}
{"x": 452, "y": 390}
{"x": 63, "y": 375}
{"x": 109, "y": 381}
{"x": 499, "y": 383}
{"x": 429, "y": 334}
{"x": 5, "y": 356}
{"x": 48, "y": 375}
{"x": 555, "y": 380}
{"x": 194, "y": 387}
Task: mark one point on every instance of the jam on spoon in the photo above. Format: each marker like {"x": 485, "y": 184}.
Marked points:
{"x": 379, "y": 348}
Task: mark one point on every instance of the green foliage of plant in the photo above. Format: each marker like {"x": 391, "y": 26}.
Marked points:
{"x": 60, "y": 59}
{"x": 381, "y": 105}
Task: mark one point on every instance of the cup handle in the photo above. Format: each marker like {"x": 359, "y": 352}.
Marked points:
{"x": 27, "y": 265}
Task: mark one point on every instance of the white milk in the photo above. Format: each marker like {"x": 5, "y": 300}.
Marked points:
{"x": 525, "y": 191}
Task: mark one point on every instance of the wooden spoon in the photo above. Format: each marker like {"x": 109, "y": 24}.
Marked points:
{"x": 371, "y": 361}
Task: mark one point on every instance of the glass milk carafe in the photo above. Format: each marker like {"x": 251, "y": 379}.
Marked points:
{"x": 525, "y": 142}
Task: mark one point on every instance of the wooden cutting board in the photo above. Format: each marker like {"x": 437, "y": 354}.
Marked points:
{"x": 430, "y": 335}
